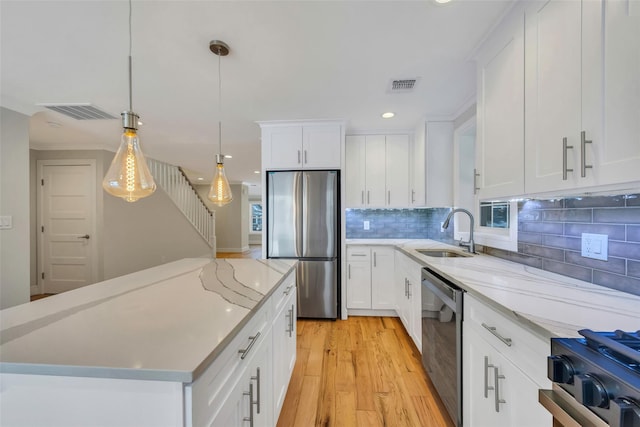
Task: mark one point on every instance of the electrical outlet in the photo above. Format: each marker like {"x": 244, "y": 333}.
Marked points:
{"x": 366, "y": 225}
{"x": 595, "y": 246}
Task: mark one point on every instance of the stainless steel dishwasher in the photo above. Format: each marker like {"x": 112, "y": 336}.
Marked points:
{"x": 442, "y": 339}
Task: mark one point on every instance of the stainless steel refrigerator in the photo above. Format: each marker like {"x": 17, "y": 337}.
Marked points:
{"x": 303, "y": 223}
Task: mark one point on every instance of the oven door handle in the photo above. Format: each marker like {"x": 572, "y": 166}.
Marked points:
{"x": 566, "y": 410}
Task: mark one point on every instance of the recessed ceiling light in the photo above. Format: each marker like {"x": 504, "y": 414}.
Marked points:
{"x": 256, "y": 171}
{"x": 200, "y": 179}
{"x": 228, "y": 156}
{"x": 388, "y": 115}
{"x": 442, "y": 1}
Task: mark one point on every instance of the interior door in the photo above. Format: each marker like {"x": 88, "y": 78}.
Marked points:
{"x": 67, "y": 213}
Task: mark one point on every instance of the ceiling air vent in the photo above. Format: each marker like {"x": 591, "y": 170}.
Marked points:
{"x": 402, "y": 85}
{"x": 80, "y": 111}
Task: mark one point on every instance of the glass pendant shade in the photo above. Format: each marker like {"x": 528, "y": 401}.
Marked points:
{"x": 220, "y": 191}
{"x": 128, "y": 176}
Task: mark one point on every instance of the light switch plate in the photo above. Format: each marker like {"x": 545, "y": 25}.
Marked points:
{"x": 5, "y": 222}
{"x": 595, "y": 246}
{"x": 366, "y": 225}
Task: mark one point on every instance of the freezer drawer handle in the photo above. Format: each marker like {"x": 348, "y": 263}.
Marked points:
{"x": 246, "y": 351}
{"x": 494, "y": 332}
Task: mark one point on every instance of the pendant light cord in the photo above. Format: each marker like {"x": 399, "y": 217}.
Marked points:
{"x": 130, "y": 72}
{"x": 219, "y": 104}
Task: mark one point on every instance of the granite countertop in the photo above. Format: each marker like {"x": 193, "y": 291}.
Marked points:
{"x": 164, "y": 323}
{"x": 548, "y": 304}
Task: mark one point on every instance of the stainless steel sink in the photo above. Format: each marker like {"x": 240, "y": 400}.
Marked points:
{"x": 442, "y": 253}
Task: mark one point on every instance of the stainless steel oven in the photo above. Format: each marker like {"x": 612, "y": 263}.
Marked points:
{"x": 596, "y": 379}
{"x": 442, "y": 339}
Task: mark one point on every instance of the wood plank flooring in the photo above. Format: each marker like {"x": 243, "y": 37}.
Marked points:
{"x": 255, "y": 251}
{"x": 364, "y": 371}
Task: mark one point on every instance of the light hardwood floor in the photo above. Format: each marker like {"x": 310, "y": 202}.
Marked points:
{"x": 364, "y": 371}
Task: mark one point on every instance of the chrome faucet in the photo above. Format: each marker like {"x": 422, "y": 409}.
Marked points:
{"x": 470, "y": 245}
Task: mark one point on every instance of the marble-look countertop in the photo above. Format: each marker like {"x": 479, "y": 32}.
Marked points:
{"x": 165, "y": 323}
{"x": 548, "y": 304}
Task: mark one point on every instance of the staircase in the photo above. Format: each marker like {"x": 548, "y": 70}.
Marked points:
{"x": 175, "y": 183}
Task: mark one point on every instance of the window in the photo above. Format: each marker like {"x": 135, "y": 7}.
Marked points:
{"x": 494, "y": 214}
{"x": 256, "y": 217}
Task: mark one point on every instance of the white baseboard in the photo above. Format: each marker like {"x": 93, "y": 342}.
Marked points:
{"x": 374, "y": 313}
{"x": 235, "y": 250}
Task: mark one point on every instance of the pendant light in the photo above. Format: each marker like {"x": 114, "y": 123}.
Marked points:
{"x": 220, "y": 191}
{"x": 128, "y": 176}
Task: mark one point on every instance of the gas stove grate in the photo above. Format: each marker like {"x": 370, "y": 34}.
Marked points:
{"x": 623, "y": 347}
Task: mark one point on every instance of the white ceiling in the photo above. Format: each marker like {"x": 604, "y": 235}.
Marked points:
{"x": 288, "y": 60}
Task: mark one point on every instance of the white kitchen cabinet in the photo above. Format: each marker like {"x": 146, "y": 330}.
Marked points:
{"x": 219, "y": 397}
{"x": 397, "y": 171}
{"x": 377, "y": 171}
{"x": 370, "y": 278}
{"x": 382, "y": 277}
{"x": 301, "y": 145}
{"x": 358, "y": 277}
{"x": 611, "y": 118}
{"x": 582, "y": 94}
{"x": 500, "y": 112}
{"x": 408, "y": 296}
{"x": 503, "y": 368}
{"x": 284, "y": 344}
{"x": 250, "y": 400}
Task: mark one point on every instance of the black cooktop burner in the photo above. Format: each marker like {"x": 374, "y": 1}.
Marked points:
{"x": 623, "y": 347}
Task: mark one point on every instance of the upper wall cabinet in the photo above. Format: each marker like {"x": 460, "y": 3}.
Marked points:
{"x": 500, "y": 113}
{"x": 431, "y": 165}
{"x": 582, "y": 93}
{"x": 377, "y": 171}
{"x": 302, "y": 145}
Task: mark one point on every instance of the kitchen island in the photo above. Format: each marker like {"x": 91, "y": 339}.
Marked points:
{"x": 131, "y": 350}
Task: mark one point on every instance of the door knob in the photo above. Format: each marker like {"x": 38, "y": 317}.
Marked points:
{"x": 86, "y": 236}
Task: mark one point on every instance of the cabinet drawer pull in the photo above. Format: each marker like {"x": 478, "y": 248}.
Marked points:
{"x": 475, "y": 181}
{"x": 368, "y": 198}
{"x": 487, "y": 387}
{"x": 349, "y": 271}
{"x": 413, "y": 196}
{"x": 246, "y": 351}
{"x": 290, "y": 316}
{"x": 494, "y": 332}
{"x": 406, "y": 287}
{"x": 250, "y": 394}
{"x": 389, "y": 197}
{"x": 256, "y": 378}
{"x": 358, "y": 254}
{"x": 583, "y": 153}
{"x": 305, "y": 157}
{"x": 374, "y": 260}
{"x": 497, "y": 378}
{"x": 565, "y": 147}
{"x": 298, "y": 156}
{"x": 288, "y": 290}
{"x": 362, "y": 196}
{"x": 409, "y": 289}
{"x": 292, "y": 320}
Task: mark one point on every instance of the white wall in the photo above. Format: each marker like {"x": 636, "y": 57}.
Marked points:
{"x": 149, "y": 232}
{"x": 14, "y": 201}
{"x": 232, "y": 220}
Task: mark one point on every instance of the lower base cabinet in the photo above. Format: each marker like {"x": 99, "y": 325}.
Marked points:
{"x": 499, "y": 388}
{"x": 408, "y": 276}
{"x": 247, "y": 383}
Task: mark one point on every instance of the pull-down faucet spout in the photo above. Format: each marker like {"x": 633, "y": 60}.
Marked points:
{"x": 470, "y": 245}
